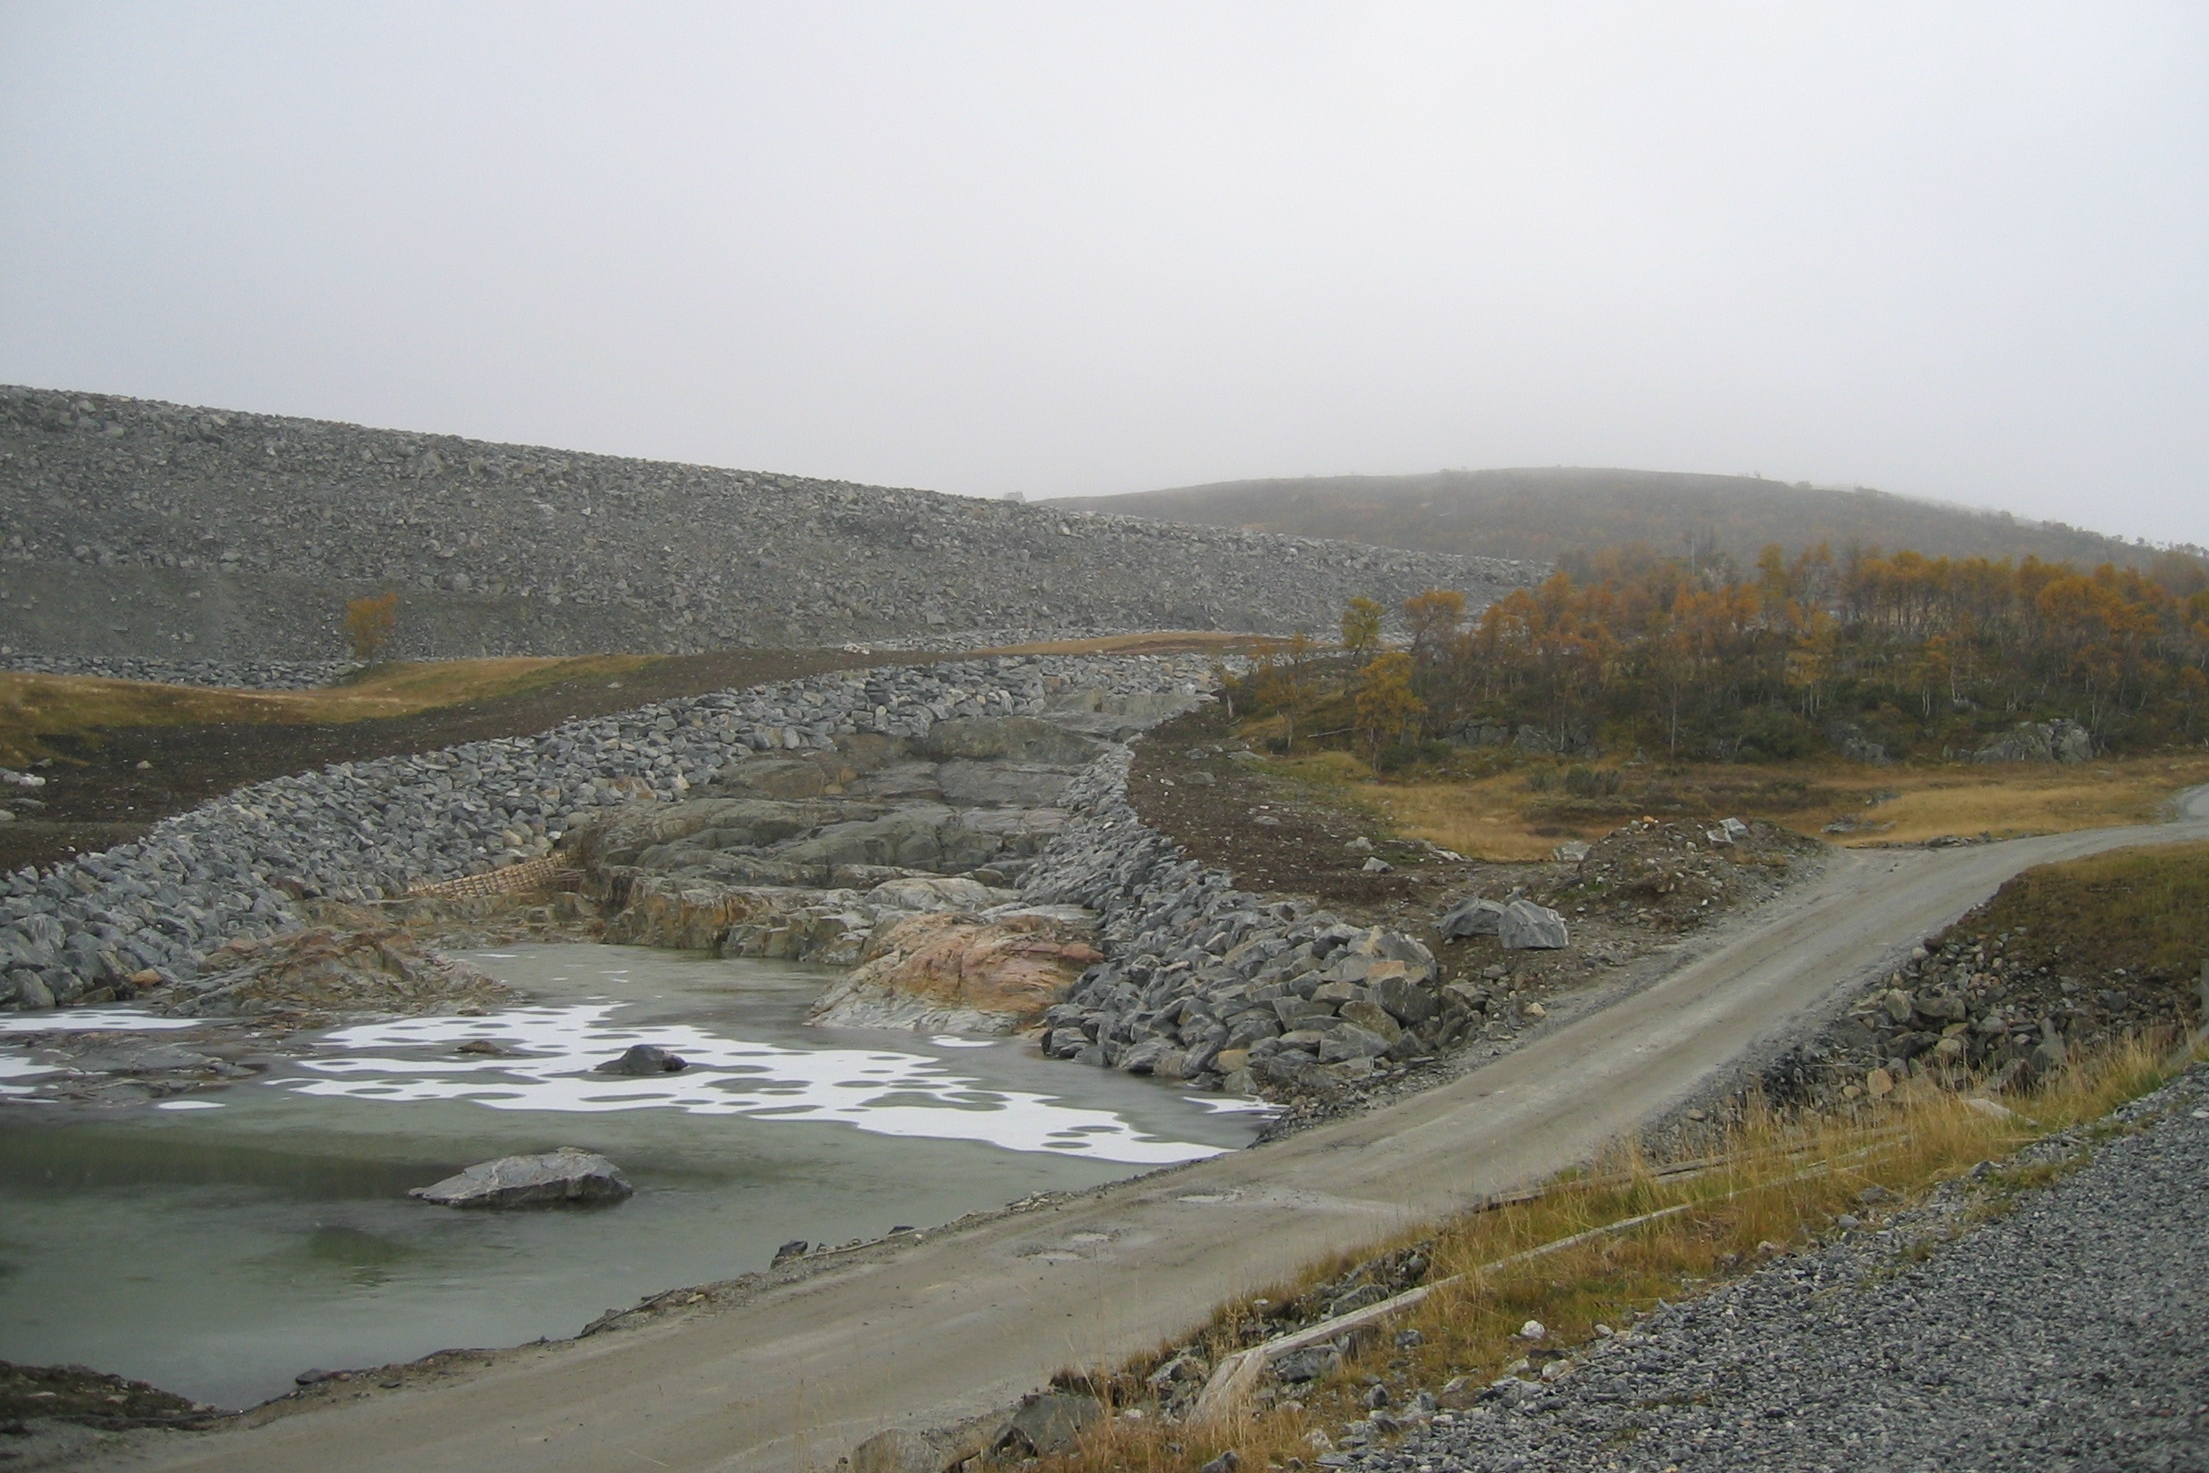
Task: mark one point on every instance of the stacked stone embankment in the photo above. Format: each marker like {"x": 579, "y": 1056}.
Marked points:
{"x": 1220, "y": 987}
{"x": 226, "y": 674}
{"x": 105, "y": 925}
{"x": 131, "y": 527}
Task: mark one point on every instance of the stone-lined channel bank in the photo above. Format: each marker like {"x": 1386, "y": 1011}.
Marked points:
{"x": 208, "y": 1129}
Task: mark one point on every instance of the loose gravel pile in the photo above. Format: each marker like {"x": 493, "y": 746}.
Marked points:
{"x": 145, "y": 914}
{"x": 1672, "y": 875}
{"x": 2064, "y": 1335}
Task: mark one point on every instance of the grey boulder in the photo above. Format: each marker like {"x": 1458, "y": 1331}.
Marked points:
{"x": 1050, "y": 1422}
{"x": 1473, "y": 917}
{"x": 1406, "y": 1001}
{"x": 1346, "y": 1041}
{"x": 897, "y": 1451}
{"x": 569, "y": 1174}
{"x": 27, "y": 990}
{"x": 1529, "y": 927}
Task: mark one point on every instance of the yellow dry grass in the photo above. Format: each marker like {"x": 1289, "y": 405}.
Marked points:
{"x": 2007, "y": 800}
{"x": 1501, "y": 816}
{"x": 1487, "y": 818}
{"x": 1778, "y": 1183}
{"x": 32, "y": 706}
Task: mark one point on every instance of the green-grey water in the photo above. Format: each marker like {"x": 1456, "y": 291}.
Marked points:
{"x": 221, "y": 1248}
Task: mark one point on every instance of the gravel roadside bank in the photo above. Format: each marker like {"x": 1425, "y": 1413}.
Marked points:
{"x": 2064, "y": 1335}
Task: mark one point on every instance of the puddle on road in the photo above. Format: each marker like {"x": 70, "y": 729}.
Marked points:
{"x": 219, "y": 1249}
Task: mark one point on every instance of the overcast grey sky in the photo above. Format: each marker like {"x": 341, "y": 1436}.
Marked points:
{"x": 1954, "y": 250}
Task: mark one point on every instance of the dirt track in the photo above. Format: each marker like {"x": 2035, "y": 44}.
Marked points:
{"x": 966, "y": 1321}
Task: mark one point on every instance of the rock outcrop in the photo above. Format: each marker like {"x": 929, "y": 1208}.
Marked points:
{"x": 130, "y": 527}
{"x": 322, "y": 971}
{"x": 2040, "y": 741}
{"x": 962, "y": 973}
{"x": 1974, "y": 1004}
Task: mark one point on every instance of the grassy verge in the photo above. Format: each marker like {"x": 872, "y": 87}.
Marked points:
{"x": 1779, "y": 1183}
{"x": 2144, "y": 912}
{"x": 44, "y": 706}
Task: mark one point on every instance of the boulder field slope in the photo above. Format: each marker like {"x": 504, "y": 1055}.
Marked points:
{"x": 133, "y": 527}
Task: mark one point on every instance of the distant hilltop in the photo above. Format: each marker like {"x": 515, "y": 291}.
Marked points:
{"x": 130, "y": 527}
{"x": 1548, "y": 514}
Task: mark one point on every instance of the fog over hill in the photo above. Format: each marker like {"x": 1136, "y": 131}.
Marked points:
{"x": 132, "y": 527}
{"x": 1548, "y": 513}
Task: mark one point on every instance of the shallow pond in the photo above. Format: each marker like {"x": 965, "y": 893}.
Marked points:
{"x": 217, "y": 1245}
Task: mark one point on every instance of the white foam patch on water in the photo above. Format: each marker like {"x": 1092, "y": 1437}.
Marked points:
{"x": 1231, "y": 1105}
{"x": 952, "y": 1040}
{"x": 189, "y": 1105}
{"x": 15, "y": 1066}
{"x": 92, "y": 1020}
{"x": 883, "y": 1092}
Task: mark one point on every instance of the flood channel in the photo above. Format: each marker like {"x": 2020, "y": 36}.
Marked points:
{"x": 216, "y": 1245}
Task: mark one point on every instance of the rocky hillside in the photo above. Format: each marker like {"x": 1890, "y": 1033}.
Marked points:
{"x": 131, "y": 527}
{"x": 1550, "y": 512}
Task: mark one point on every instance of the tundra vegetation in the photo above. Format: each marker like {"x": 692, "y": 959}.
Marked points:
{"x": 369, "y": 622}
{"x": 1881, "y": 698}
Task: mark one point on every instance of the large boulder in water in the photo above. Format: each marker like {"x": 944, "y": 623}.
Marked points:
{"x": 569, "y": 1174}
{"x": 645, "y": 1059}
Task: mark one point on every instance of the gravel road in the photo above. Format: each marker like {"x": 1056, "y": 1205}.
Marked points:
{"x": 2065, "y": 1335}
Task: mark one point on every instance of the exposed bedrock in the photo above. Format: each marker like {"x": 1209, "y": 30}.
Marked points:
{"x": 964, "y": 973}
{"x": 148, "y": 913}
{"x": 132, "y": 527}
